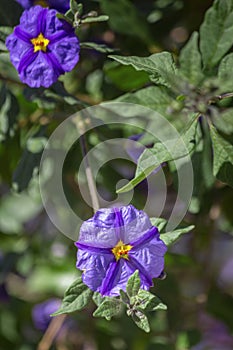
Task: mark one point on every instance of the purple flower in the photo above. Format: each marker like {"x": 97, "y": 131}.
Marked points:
{"x": 41, "y": 313}
{"x": 215, "y": 334}
{"x": 113, "y": 244}
{"x": 42, "y": 47}
{"x": 59, "y": 5}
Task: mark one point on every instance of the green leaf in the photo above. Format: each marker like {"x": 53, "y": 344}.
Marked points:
{"x": 4, "y": 32}
{"x": 149, "y": 302}
{"x": 223, "y": 157}
{"x": 153, "y": 97}
{"x": 161, "y": 152}
{"x": 15, "y": 210}
{"x": 190, "y": 60}
{"x": 124, "y": 297}
{"x": 224, "y": 121}
{"x": 160, "y": 66}
{"x": 98, "y": 47}
{"x": 97, "y": 298}
{"x": 9, "y": 110}
{"x": 76, "y": 297}
{"x": 216, "y": 32}
{"x": 65, "y": 18}
{"x": 93, "y": 19}
{"x": 124, "y": 18}
{"x": 108, "y": 308}
{"x": 170, "y": 237}
{"x": 117, "y": 73}
{"x": 28, "y": 165}
{"x": 133, "y": 284}
{"x": 225, "y": 74}
{"x": 141, "y": 321}
{"x": 76, "y": 8}
{"x": 158, "y": 222}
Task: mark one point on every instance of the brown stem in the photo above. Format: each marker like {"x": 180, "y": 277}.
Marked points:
{"x": 51, "y": 332}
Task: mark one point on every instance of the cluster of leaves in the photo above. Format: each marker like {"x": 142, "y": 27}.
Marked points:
{"x": 188, "y": 93}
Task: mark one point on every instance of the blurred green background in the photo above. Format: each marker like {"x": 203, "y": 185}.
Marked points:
{"x": 38, "y": 263}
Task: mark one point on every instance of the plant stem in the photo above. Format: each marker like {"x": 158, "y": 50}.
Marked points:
{"x": 89, "y": 175}
{"x": 220, "y": 97}
{"x": 51, "y": 332}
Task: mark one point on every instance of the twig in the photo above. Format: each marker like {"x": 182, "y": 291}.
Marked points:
{"x": 51, "y": 332}
{"x": 220, "y": 97}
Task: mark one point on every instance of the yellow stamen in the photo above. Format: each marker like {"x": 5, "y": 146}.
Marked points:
{"x": 121, "y": 250}
{"x": 42, "y": 3}
{"x": 40, "y": 43}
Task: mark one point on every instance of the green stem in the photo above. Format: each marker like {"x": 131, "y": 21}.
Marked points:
{"x": 220, "y": 97}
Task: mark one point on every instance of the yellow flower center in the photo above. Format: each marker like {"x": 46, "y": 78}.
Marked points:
{"x": 121, "y": 250}
{"x": 42, "y": 3}
{"x": 40, "y": 43}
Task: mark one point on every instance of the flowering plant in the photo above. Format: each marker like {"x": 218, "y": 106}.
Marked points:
{"x": 67, "y": 116}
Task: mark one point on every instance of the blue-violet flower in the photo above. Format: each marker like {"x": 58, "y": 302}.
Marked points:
{"x": 41, "y": 313}
{"x": 113, "y": 244}
{"x": 42, "y": 47}
{"x": 59, "y": 5}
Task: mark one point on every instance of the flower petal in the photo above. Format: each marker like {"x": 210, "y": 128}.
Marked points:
{"x": 17, "y": 48}
{"x": 66, "y": 52}
{"x": 29, "y": 20}
{"x": 116, "y": 278}
{"x": 41, "y": 21}
{"x": 91, "y": 249}
{"x": 99, "y": 230}
{"x": 112, "y": 275}
{"x": 26, "y": 4}
{"x": 149, "y": 235}
{"x": 136, "y": 223}
{"x": 40, "y": 72}
{"x": 22, "y": 35}
{"x": 150, "y": 256}
{"x": 60, "y": 5}
{"x": 94, "y": 266}
{"x": 54, "y": 25}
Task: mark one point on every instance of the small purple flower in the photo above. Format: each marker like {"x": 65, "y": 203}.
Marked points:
{"x": 42, "y": 47}
{"x": 215, "y": 334}
{"x": 59, "y": 5}
{"x": 41, "y": 313}
{"x": 113, "y": 244}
